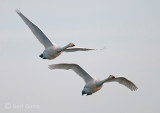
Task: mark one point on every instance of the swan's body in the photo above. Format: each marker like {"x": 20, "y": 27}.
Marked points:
{"x": 51, "y": 49}
{"x": 92, "y": 84}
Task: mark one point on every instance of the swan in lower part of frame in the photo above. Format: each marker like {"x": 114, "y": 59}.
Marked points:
{"x": 92, "y": 84}
{"x": 51, "y": 49}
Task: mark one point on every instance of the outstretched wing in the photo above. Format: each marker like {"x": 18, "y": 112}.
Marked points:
{"x": 75, "y": 67}
{"x": 125, "y": 82}
{"x": 36, "y": 31}
{"x": 73, "y": 49}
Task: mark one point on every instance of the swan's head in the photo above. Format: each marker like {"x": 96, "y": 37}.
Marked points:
{"x": 111, "y": 76}
{"x": 71, "y": 45}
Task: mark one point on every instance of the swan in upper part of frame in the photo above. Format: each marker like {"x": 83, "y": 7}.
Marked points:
{"x": 51, "y": 49}
{"x": 92, "y": 84}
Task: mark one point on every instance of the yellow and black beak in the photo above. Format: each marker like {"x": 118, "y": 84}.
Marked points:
{"x": 72, "y": 44}
{"x": 111, "y": 76}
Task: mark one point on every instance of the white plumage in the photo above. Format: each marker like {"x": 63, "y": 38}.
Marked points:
{"x": 51, "y": 49}
{"x": 92, "y": 84}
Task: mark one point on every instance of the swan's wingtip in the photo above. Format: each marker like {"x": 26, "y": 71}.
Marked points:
{"x": 50, "y": 67}
{"x": 103, "y": 48}
{"x": 135, "y": 88}
{"x": 18, "y": 11}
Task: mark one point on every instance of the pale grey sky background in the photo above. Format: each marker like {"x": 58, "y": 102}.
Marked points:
{"x": 130, "y": 31}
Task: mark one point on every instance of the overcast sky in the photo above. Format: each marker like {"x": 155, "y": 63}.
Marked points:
{"x": 130, "y": 31}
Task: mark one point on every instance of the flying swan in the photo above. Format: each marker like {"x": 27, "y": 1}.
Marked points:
{"x": 92, "y": 84}
{"x": 51, "y": 49}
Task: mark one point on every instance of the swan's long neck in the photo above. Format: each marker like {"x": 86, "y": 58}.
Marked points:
{"x": 65, "y": 47}
{"x": 103, "y": 81}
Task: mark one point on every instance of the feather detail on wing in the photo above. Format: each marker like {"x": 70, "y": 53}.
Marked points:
{"x": 76, "y": 68}
{"x": 36, "y": 31}
{"x": 77, "y": 49}
{"x": 73, "y": 49}
{"x": 125, "y": 82}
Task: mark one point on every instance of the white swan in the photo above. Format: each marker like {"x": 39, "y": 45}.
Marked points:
{"x": 51, "y": 49}
{"x": 92, "y": 84}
